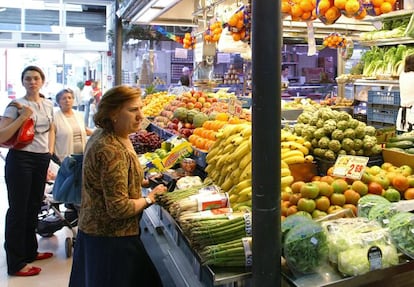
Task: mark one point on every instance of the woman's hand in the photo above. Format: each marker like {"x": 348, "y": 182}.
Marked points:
{"x": 159, "y": 189}
{"x": 26, "y": 111}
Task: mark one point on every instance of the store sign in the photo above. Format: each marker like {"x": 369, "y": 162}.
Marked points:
{"x": 28, "y": 45}
{"x": 350, "y": 166}
{"x": 223, "y": 58}
{"x": 181, "y": 53}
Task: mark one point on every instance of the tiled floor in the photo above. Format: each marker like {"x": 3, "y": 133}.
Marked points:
{"x": 56, "y": 271}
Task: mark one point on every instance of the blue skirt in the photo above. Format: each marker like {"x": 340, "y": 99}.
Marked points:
{"x": 112, "y": 261}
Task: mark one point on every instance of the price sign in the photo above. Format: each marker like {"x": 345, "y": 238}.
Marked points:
{"x": 235, "y": 107}
{"x": 145, "y": 123}
{"x": 350, "y": 166}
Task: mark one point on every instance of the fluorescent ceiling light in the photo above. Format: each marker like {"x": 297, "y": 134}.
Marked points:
{"x": 164, "y": 3}
{"x": 152, "y": 10}
{"x": 147, "y": 15}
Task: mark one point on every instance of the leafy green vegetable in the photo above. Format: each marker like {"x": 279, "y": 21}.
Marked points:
{"x": 401, "y": 228}
{"x": 292, "y": 221}
{"x": 305, "y": 247}
{"x": 366, "y": 202}
{"x": 382, "y": 213}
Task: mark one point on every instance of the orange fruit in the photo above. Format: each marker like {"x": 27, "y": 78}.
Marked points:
{"x": 351, "y": 196}
{"x": 377, "y": 3}
{"x": 306, "y": 16}
{"x": 323, "y": 6}
{"x": 236, "y": 37}
{"x": 296, "y": 11}
{"x": 192, "y": 139}
{"x": 377, "y": 10}
{"x": 409, "y": 193}
{"x": 332, "y": 14}
{"x": 233, "y": 21}
{"x": 340, "y": 4}
{"x": 392, "y": 2}
{"x": 240, "y": 24}
{"x": 306, "y": 5}
{"x": 386, "y": 7}
{"x": 352, "y": 7}
{"x": 361, "y": 15}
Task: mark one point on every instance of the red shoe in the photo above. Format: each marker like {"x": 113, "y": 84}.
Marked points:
{"x": 31, "y": 272}
{"x": 45, "y": 255}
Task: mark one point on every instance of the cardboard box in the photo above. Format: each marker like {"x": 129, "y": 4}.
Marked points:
{"x": 313, "y": 75}
{"x": 303, "y": 171}
{"x": 398, "y": 158}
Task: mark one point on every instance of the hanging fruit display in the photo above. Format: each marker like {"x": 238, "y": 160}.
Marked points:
{"x": 213, "y": 32}
{"x": 239, "y": 24}
{"x": 334, "y": 41}
{"x": 300, "y": 10}
{"x": 189, "y": 41}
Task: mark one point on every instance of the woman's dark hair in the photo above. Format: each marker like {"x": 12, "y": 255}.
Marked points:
{"x": 284, "y": 67}
{"x": 409, "y": 63}
{"x": 185, "y": 80}
{"x": 112, "y": 101}
{"x": 33, "y": 68}
{"x": 61, "y": 93}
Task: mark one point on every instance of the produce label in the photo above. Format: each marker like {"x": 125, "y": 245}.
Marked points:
{"x": 145, "y": 123}
{"x": 212, "y": 201}
{"x": 248, "y": 254}
{"x": 350, "y": 166}
{"x": 248, "y": 223}
{"x": 375, "y": 258}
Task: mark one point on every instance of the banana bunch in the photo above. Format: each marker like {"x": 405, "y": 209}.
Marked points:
{"x": 286, "y": 177}
{"x": 294, "y": 148}
{"x": 229, "y": 163}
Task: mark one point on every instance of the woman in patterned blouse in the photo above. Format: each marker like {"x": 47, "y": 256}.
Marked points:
{"x": 108, "y": 249}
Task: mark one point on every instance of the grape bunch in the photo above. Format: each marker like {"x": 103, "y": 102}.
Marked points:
{"x": 144, "y": 141}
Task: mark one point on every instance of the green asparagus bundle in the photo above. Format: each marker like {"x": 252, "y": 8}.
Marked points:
{"x": 235, "y": 253}
{"x": 213, "y": 232}
{"x": 168, "y": 198}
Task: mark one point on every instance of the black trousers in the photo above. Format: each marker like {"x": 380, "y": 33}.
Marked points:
{"x": 112, "y": 261}
{"x": 25, "y": 174}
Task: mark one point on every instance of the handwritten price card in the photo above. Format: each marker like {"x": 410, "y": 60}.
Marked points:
{"x": 350, "y": 166}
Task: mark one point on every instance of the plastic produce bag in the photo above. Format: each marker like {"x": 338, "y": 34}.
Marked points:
{"x": 352, "y": 233}
{"x": 401, "y": 228}
{"x": 356, "y": 261}
{"x": 305, "y": 248}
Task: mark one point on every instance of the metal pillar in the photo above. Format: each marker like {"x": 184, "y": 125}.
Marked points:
{"x": 266, "y": 125}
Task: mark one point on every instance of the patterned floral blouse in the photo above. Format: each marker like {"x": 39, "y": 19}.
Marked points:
{"x": 112, "y": 176}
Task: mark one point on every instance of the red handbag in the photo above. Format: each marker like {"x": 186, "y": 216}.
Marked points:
{"x": 23, "y": 136}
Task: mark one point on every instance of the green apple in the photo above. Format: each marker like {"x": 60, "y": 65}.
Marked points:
{"x": 318, "y": 214}
{"x": 306, "y": 204}
{"x": 392, "y": 194}
{"x": 375, "y": 169}
{"x": 309, "y": 190}
{"x": 406, "y": 170}
{"x": 381, "y": 179}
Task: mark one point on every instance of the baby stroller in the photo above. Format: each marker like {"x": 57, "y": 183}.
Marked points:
{"x": 66, "y": 190}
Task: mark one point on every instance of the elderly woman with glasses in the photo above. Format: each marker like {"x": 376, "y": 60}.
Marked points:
{"x": 70, "y": 127}
{"x": 25, "y": 175}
